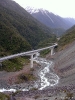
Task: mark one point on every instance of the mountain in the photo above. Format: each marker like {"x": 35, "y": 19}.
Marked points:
{"x": 51, "y": 20}
{"x": 72, "y": 20}
{"x": 58, "y": 31}
{"x": 67, "y": 38}
{"x": 19, "y": 31}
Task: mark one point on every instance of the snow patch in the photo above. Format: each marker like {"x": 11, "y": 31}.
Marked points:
{"x": 33, "y": 10}
{"x": 49, "y": 17}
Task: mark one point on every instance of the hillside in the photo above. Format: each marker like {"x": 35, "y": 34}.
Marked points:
{"x": 11, "y": 41}
{"x": 21, "y": 24}
{"x": 58, "y": 31}
{"x": 67, "y": 38}
{"x": 65, "y": 58}
{"x": 65, "y": 65}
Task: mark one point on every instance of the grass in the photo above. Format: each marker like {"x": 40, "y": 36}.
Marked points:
{"x": 44, "y": 52}
{"x": 26, "y": 77}
{"x": 14, "y": 64}
{"x": 4, "y": 96}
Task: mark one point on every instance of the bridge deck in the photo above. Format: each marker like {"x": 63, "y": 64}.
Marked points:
{"x": 26, "y": 53}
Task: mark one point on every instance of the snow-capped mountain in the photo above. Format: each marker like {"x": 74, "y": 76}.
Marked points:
{"x": 51, "y": 20}
{"x": 32, "y": 10}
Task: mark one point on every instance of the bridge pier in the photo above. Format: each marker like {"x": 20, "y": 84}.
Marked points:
{"x": 37, "y": 54}
{"x": 32, "y": 58}
{"x": 31, "y": 63}
{"x": 52, "y": 51}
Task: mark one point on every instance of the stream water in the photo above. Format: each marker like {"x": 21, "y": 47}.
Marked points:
{"x": 47, "y": 77}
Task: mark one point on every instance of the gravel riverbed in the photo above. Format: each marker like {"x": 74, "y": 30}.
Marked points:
{"x": 45, "y": 78}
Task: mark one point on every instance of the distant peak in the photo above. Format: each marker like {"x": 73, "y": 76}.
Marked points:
{"x": 32, "y": 10}
{"x": 35, "y": 10}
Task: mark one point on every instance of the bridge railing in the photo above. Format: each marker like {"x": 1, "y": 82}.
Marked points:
{"x": 26, "y": 53}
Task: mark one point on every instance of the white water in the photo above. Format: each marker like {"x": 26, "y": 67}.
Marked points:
{"x": 8, "y": 90}
{"x": 46, "y": 80}
{"x": 53, "y": 78}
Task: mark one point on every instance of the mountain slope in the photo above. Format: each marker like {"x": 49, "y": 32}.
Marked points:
{"x": 19, "y": 26}
{"x": 72, "y": 20}
{"x": 67, "y": 38}
{"x": 11, "y": 41}
{"x": 51, "y": 20}
{"x": 65, "y": 58}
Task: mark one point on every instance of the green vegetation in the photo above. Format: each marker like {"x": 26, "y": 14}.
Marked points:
{"x": 14, "y": 64}
{"x": 45, "y": 43}
{"x": 26, "y": 77}
{"x": 4, "y": 96}
{"x": 44, "y": 52}
{"x": 58, "y": 31}
{"x": 11, "y": 42}
{"x": 68, "y": 38}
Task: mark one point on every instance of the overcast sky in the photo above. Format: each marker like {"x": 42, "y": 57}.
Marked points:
{"x": 64, "y": 8}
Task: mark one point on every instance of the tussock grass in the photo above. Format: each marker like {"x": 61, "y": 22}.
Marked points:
{"x": 4, "y": 96}
{"x": 15, "y": 64}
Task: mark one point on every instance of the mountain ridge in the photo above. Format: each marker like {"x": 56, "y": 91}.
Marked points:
{"x": 50, "y": 19}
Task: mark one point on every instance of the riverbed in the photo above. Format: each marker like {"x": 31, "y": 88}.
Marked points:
{"x": 46, "y": 78}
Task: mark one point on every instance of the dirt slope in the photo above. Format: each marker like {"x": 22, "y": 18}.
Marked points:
{"x": 65, "y": 64}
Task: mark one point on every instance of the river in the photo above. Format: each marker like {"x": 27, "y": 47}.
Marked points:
{"x": 47, "y": 77}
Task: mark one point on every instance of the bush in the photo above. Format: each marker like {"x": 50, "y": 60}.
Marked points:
{"x": 4, "y": 96}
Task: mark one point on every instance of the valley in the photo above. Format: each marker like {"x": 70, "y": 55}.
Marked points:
{"x": 64, "y": 68}
{"x": 53, "y": 74}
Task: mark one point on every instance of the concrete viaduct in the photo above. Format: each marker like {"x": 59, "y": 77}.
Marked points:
{"x": 29, "y": 53}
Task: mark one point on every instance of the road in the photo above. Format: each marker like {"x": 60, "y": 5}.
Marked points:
{"x": 26, "y": 53}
